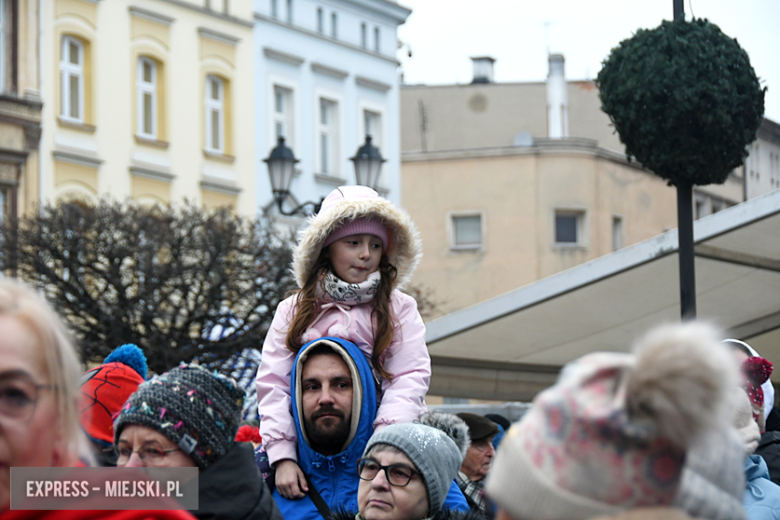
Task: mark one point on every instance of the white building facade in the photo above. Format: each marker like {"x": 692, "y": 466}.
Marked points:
{"x": 326, "y": 76}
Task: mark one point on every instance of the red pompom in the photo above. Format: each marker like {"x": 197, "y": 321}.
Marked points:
{"x": 756, "y": 370}
{"x": 248, "y": 433}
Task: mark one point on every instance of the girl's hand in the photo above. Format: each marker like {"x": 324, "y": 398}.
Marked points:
{"x": 290, "y": 480}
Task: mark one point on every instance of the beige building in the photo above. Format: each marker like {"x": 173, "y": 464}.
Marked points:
{"x": 511, "y": 183}
{"x": 148, "y": 99}
{"x": 20, "y": 105}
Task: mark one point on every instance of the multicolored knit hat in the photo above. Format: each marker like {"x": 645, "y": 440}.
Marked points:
{"x": 106, "y": 388}
{"x": 613, "y": 432}
{"x": 756, "y": 372}
{"x": 198, "y": 410}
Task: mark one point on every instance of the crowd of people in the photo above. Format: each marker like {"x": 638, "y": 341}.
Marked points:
{"x": 682, "y": 427}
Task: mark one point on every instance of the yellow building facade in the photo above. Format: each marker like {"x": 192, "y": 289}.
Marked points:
{"x": 148, "y": 99}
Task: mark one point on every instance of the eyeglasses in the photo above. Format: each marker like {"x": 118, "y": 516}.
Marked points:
{"x": 398, "y": 475}
{"x": 19, "y": 396}
{"x": 149, "y": 455}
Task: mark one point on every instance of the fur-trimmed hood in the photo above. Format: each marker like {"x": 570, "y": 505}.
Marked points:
{"x": 452, "y": 425}
{"x": 349, "y": 203}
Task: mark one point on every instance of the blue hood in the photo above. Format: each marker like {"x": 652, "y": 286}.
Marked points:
{"x": 334, "y": 477}
{"x": 755, "y": 467}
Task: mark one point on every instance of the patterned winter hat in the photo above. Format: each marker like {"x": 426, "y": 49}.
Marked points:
{"x": 197, "y": 410}
{"x": 612, "y": 434}
{"x": 106, "y": 388}
{"x": 756, "y": 372}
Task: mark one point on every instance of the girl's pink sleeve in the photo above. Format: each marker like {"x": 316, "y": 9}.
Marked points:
{"x": 407, "y": 359}
{"x": 273, "y": 389}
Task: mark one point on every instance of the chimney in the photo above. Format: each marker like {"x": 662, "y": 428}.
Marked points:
{"x": 557, "y": 103}
{"x": 483, "y": 69}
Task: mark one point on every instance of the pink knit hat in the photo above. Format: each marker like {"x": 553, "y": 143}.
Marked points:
{"x": 357, "y": 226}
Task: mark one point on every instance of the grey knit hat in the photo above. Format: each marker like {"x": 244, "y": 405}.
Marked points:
{"x": 197, "y": 410}
{"x": 433, "y": 453}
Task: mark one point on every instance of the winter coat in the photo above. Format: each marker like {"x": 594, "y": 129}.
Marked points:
{"x": 650, "y": 513}
{"x": 455, "y": 499}
{"x": 131, "y": 514}
{"x": 403, "y": 398}
{"x": 335, "y": 477}
{"x": 232, "y": 488}
{"x": 762, "y": 496}
{"x": 443, "y": 514}
{"x": 769, "y": 449}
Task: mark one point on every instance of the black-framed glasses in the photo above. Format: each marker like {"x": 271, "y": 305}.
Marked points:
{"x": 149, "y": 455}
{"x": 398, "y": 475}
{"x": 19, "y": 395}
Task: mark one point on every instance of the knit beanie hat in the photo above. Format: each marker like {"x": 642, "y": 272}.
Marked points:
{"x": 105, "y": 389}
{"x": 767, "y": 388}
{"x": 197, "y": 410}
{"x": 713, "y": 480}
{"x": 613, "y": 432}
{"x": 756, "y": 372}
{"x": 358, "y": 227}
{"x": 431, "y": 450}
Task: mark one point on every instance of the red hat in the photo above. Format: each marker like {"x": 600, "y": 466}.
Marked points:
{"x": 106, "y": 388}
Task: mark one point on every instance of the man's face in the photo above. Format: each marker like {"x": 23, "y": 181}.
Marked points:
{"x": 476, "y": 463}
{"x": 326, "y": 386}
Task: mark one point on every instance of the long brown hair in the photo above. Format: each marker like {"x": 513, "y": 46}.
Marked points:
{"x": 382, "y": 317}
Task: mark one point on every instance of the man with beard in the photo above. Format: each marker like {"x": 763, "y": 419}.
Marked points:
{"x": 334, "y": 405}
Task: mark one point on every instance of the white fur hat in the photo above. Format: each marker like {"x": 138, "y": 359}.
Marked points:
{"x": 346, "y": 204}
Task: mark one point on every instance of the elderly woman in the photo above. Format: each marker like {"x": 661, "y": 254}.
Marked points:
{"x": 188, "y": 417}
{"x": 405, "y": 473}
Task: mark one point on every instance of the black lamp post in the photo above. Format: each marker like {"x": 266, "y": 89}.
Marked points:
{"x": 281, "y": 167}
{"x": 368, "y": 164}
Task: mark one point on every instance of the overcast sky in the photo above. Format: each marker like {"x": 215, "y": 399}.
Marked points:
{"x": 443, "y": 34}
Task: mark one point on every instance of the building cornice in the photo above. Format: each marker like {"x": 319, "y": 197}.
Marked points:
{"x": 218, "y": 36}
{"x": 372, "y": 84}
{"x": 323, "y": 37}
{"x": 151, "y": 172}
{"x": 150, "y": 15}
{"x": 209, "y": 12}
{"x": 220, "y": 187}
{"x": 328, "y": 71}
{"x": 77, "y": 158}
{"x": 284, "y": 57}
{"x": 392, "y": 10}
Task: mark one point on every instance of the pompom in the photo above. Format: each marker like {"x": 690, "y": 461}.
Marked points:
{"x": 310, "y": 335}
{"x": 338, "y": 331}
{"x": 757, "y": 370}
{"x": 455, "y": 427}
{"x": 248, "y": 433}
{"x": 130, "y": 355}
{"x": 681, "y": 382}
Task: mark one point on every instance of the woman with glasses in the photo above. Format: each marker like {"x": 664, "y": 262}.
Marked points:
{"x": 188, "y": 417}
{"x": 405, "y": 473}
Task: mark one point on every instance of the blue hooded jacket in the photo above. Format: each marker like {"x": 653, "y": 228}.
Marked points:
{"x": 762, "y": 496}
{"x": 335, "y": 477}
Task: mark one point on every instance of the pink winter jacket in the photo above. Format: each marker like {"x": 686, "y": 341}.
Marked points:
{"x": 403, "y": 399}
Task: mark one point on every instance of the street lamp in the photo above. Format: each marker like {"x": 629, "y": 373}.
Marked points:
{"x": 368, "y": 164}
{"x": 281, "y": 167}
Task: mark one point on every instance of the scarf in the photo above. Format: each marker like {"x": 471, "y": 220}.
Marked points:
{"x": 333, "y": 288}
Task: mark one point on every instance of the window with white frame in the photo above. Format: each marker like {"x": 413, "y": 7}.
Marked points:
{"x": 320, "y": 20}
{"x": 283, "y": 113}
{"x": 618, "y": 233}
{"x": 334, "y": 25}
{"x": 372, "y": 124}
{"x": 377, "y": 46}
{"x": 364, "y": 35}
{"x": 568, "y": 227}
{"x": 72, "y": 79}
{"x": 467, "y": 231}
{"x": 328, "y": 137}
{"x": 215, "y": 114}
{"x": 147, "y": 98}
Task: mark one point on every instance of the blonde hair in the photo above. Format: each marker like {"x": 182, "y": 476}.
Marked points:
{"x": 62, "y": 363}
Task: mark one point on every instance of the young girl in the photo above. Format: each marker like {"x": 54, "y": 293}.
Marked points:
{"x": 349, "y": 263}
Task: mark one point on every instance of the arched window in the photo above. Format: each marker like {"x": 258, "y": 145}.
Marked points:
{"x": 215, "y": 114}
{"x": 72, "y": 79}
{"x": 147, "y": 98}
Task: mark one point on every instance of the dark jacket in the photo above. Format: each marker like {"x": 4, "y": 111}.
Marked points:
{"x": 232, "y": 489}
{"x": 443, "y": 514}
{"x": 769, "y": 449}
{"x": 335, "y": 477}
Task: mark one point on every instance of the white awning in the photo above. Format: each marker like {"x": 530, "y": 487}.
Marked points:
{"x": 607, "y": 303}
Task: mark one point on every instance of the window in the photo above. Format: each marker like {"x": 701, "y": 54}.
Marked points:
{"x": 147, "y": 98}
{"x": 215, "y": 114}
{"x": 289, "y": 11}
{"x": 275, "y": 8}
{"x": 5, "y": 203}
{"x": 320, "y": 21}
{"x": 568, "y": 227}
{"x": 372, "y": 123}
{"x": 334, "y": 25}
{"x": 467, "y": 232}
{"x": 618, "y": 233}
{"x": 363, "y": 36}
{"x": 283, "y": 113}
{"x": 376, "y": 39}
{"x": 328, "y": 142}
{"x": 72, "y": 80}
